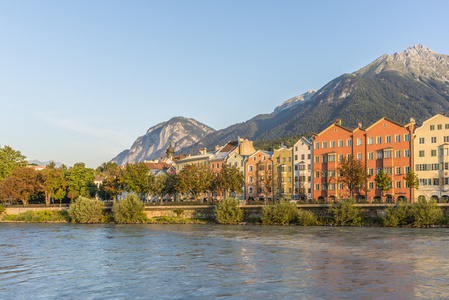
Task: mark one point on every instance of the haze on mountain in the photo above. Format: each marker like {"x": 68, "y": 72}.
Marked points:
{"x": 413, "y": 83}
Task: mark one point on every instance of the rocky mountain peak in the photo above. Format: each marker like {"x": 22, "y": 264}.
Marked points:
{"x": 295, "y": 101}
{"x": 417, "y": 61}
{"x": 179, "y": 132}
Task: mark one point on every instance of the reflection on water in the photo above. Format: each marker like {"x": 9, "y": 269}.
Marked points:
{"x": 204, "y": 261}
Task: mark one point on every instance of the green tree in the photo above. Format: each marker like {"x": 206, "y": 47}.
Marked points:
{"x": 80, "y": 181}
{"x": 21, "y": 185}
{"x": 411, "y": 180}
{"x": 306, "y": 218}
{"x": 10, "y": 159}
{"x": 284, "y": 212}
{"x": 193, "y": 179}
{"x": 228, "y": 211}
{"x": 113, "y": 183}
{"x": 128, "y": 210}
{"x": 353, "y": 174}
{"x": 383, "y": 182}
{"x": 86, "y": 210}
{"x": 345, "y": 213}
{"x": 137, "y": 178}
{"x": 426, "y": 213}
{"x": 229, "y": 180}
{"x": 163, "y": 185}
{"x": 55, "y": 184}
{"x": 398, "y": 215}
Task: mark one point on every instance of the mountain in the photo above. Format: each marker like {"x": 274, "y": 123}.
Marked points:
{"x": 298, "y": 100}
{"x": 44, "y": 163}
{"x": 179, "y": 131}
{"x": 413, "y": 83}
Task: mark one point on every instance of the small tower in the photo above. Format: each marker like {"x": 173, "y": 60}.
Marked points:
{"x": 170, "y": 152}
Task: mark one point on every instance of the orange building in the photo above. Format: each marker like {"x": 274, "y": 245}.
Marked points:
{"x": 259, "y": 176}
{"x": 385, "y": 145}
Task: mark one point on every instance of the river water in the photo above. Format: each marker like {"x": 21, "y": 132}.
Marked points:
{"x": 67, "y": 261}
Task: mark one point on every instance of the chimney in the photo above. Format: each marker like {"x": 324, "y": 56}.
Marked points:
{"x": 360, "y": 125}
{"x": 412, "y": 120}
{"x": 203, "y": 150}
{"x": 217, "y": 147}
{"x": 338, "y": 122}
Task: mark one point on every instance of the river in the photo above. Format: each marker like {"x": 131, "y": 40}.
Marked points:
{"x": 67, "y": 261}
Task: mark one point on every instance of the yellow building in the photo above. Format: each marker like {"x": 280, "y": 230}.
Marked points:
{"x": 283, "y": 173}
{"x": 431, "y": 155}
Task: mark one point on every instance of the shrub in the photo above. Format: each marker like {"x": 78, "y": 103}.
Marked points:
{"x": 2, "y": 209}
{"x": 128, "y": 210}
{"x": 345, "y": 213}
{"x": 426, "y": 213}
{"x": 306, "y": 218}
{"x": 284, "y": 212}
{"x": 39, "y": 216}
{"x": 227, "y": 211}
{"x": 86, "y": 210}
{"x": 398, "y": 215}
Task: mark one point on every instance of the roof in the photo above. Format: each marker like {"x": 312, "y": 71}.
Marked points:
{"x": 157, "y": 166}
{"x": 229, "y": 146}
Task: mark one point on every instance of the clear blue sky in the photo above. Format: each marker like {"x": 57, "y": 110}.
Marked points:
{"x": 81, "y": 80}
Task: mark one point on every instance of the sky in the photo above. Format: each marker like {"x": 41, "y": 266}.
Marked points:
{"x": 81, "y": 80}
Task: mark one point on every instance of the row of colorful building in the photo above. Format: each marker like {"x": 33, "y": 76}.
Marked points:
{"x": 309, "y": 169}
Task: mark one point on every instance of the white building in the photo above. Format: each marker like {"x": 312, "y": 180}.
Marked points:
{"x": 302, "y": 160}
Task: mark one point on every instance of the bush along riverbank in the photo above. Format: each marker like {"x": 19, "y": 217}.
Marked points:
{"x": 130, "y": 210}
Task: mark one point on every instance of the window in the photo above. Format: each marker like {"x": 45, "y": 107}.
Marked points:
{"x": 348, "y": 143}
{"x": 388, "y": 139}
{"x": 398, "y": 184}
{"x": 317, "y": 145}
{"x": 436, "y": 181}
{"x": 250, "y": 168}
{"x": 446, "y": 126}
{"x": 406, "y": 153}
{"x": 289, "y": 159}
{"x": 250, "y": 179}
{"x": 332, "y": 157}
{"x": 359, "y": 156}
{"x": 332, "y": 144}
{"x": 433, "y": 152}
{"x": 324, "y": 158}
{"x": 289, "y": 169}
{"x": 397, "y": 138}
{"x": 398, "y": 154}
{"x": 398, "y": 170}
{"x": 446, "y": 139}
{"x": 371, "y": 185}
{"x": 434, "y": 167}
{"x": 340, "y": 157}
{"x": 324, "y": 145}
{"x": 341, "y": 186}
{"x": 421, "y": 153}
{"x": 421, "y": 167}
{"x": 407, "y": 137}
{"x": 388, "y": 154}
{"x": 302, "y": 167}
{"x": 302, "y": 156}
{"x": 296, "y": 157}
{"x": 370, "y": 141}
{"x": 317, "y": 174}
{"x": 250, "y": 190}
{"x": 440, "y": 126}
{"x": 379, "y": 154}
{"x": 406, "y": 170}
{"x": 308, "y": 156}
{"x": 283, "y": 159}
{"x": 323, "y": 187}
{"x": 421, "y": 140}
{"x": 422, "y": 181}
{"x": 359, "y": 141}
{"x": 317, "y": 159}
{"x": 379, "y": 140}
{"x": 378, "y": 170}
{"x": 370, "y": 155}
{"x": 370, "y": 171}
{"x": 433, "y": 139}
{"x": 317, "y": 187}
{"x": 340, "y": 143}
{"x": 388, "y": 170}
{"x": 432, "y": 127}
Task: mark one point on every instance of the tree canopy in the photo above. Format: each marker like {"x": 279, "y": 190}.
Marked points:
{"x": 10, "y": 159}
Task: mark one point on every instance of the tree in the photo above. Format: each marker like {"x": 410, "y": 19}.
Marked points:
{"x": 80, "y": 181}
{"x": 163, "y": 185}
{"x": 229, "y": 180}
{"x": 86, "y": 210}
{"x": 412, "y": 181}
{"x": 21, "y": 185}
{"x": 137, "y": 178}
{"x": 353, "y": 174}
{"x": 346, "y": 213}
{"x": 54, "y": 184}
{"x": 128, "y": 210}
{"x": 113, "y": 183}
{"x": 228, "y": 211}
{"x": 266, "y": 184}
{"x": 10, "y": 159}
{"x": 193, "y": 179}
{"x": 383, "y": 181}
